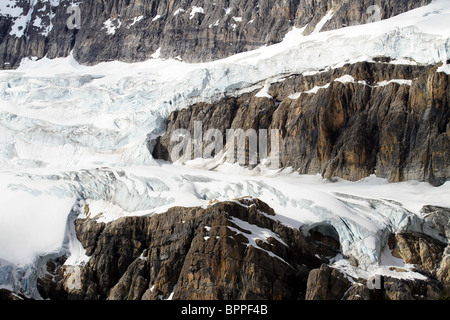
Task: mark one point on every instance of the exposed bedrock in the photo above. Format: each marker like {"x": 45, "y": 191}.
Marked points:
{"x": 195, "y": 30}
{"x": 352, "y": 122}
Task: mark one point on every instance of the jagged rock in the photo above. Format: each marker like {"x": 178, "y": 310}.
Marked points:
{"x": 418, "y": 249}
{"x": 358, "y": 291}
{"x": 403, "y": 289}
{"x": 80, "y": 283}
{"x": 137, "y": 28}
{"x": 194, "y": 253}
{"x": 50, "y": 285}
{"x": 437, "y": 218}
{"x": 132, "y": 284}
{"x": 326, "y": 283}
{"x": 349, "y": 130}
{"x": 6, "y": 294}
{"x": 443, "y": 273}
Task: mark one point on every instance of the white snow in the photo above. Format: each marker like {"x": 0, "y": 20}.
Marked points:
{"x": 322, "y": 22}
{"x": 444, "y": 68}
{"x": 22, "y": 20}
{"x": 157, "y": 54}
{"x": 112, "y": 26}
{"x": 399, "y": 81}
{"x": 317, "y": 88}
{"x": 214, "y": 25}
{"x": 37, "y": 22}
{"x": 264, "y": 93}
{"x": 255, "y": 232}
{"x": 295, "y": 96}
{"x": 10, "y": 8}
{"x": 345, "y": 79}
{"x": 194, "y": 11}
{"x": 29, "y": 211}
{"x": 178, "y": 11}
{"x": 20, "y": 25}
{"x": 137, "y": 19}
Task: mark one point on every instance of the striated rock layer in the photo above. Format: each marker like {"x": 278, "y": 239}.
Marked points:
{"x": 362, "y": 119}
{"x": 195, "y": 30}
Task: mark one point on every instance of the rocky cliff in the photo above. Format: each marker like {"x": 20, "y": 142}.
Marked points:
{"x": 194, "y": 30}
{"x": 366, "y": 118}
{"x": 228, "y": 251}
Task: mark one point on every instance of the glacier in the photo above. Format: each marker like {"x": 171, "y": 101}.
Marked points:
{"x": 74, "y": 137}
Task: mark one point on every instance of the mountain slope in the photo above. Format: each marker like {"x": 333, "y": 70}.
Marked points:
{"x": 194, "y": 30}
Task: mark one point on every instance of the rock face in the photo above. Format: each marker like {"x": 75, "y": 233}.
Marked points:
{"x": 326, "y": 283}
{"x": 234, "y": 250}
{"x": 418, "y": 249}
{"x": 192, "y": 253}
{"x": 195, "y": 30}
{"x": 362, "y": 119}
{"x": 7, "y": 295}
{"x": 427, "y": 254}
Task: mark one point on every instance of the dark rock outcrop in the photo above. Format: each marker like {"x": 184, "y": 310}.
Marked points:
{"x": 349, "y": 130}
{"x": 326, "y": 283}
{"x": 418, "y": 249}
{"x": 139, "y": 27}
{"x": 428, "y": 255}
{"x": 7, "y": 295}
{"x": 404, "y": 289}
{"x": 192, "y": 253}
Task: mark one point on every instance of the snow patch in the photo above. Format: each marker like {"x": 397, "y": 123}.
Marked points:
{"x": 317, "y": 88}
{"x": 178, "y": 11}
{"x": 444, "y": 68}
{"x": 323, "y": 21}
{"x": 112, "y": 26}
{"x": 264, "y": 92}
{"x": 10, "y": 8}
{"x": 157, "y": 54}
{"x": 196, "y": 10}
{"x": 136, "y": 20}
{"x": 345, "y": 79}
{"x": 398, "y": 81}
